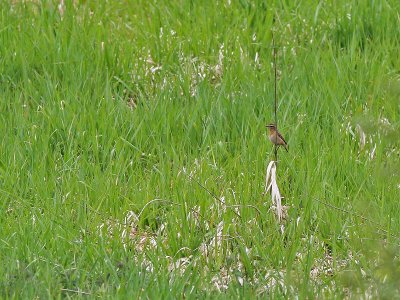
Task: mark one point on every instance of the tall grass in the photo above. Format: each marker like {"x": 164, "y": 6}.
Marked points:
{"x": 107, "y": 109}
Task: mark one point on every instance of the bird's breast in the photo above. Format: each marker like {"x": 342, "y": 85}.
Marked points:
{"x": 272, "y": 137}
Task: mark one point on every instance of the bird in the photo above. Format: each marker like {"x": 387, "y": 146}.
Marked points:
{"x": 275, "y": 137}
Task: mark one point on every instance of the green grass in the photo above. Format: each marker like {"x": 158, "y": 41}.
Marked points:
{"x": 107, "y": 109}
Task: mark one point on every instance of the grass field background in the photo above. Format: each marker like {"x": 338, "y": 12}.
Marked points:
{"x": 109, "y": 106}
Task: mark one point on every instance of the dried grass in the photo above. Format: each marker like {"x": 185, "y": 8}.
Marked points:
{"x": 271, "y": 184}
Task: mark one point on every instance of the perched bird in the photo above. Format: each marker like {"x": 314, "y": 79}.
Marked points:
{"x": 275, "y": 137}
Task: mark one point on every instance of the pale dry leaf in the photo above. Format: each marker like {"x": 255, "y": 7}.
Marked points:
{"x": 362, "y": 134}
{"x": 271, "y": 184}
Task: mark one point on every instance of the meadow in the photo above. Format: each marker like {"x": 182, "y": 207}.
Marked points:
{"x": 134, "y": 151}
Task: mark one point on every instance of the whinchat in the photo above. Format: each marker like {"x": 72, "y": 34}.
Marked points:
{"x": 275, "y": 137}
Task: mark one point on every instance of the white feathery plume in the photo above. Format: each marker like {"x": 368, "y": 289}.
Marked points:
{"x": 270, "y": 183}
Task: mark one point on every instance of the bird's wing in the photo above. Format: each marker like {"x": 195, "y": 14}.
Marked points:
{"x": 280, "y": 135}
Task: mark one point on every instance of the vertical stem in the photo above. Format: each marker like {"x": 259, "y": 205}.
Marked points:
{"x": 275, "y": 99}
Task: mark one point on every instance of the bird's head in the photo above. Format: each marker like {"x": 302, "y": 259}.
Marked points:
{"x": 271, "y": 127}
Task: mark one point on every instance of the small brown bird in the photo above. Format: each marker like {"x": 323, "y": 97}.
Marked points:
{"x": 275, "y": 137}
